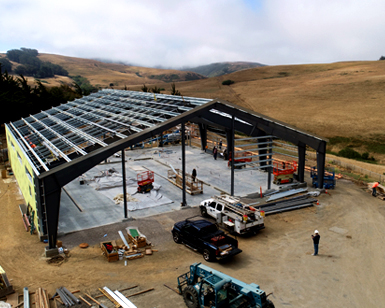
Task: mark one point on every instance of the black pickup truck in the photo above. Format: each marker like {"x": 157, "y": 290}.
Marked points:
{"x": 204, "y": 236}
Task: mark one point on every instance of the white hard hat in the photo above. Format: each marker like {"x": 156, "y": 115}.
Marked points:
{"x": 316, "y": 231}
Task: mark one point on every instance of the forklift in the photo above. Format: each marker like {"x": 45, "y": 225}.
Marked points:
{"x": 204, "y": 287}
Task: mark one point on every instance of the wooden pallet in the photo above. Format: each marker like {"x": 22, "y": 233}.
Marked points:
{"x": 192, "y": 187}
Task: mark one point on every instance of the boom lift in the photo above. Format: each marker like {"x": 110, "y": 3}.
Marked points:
{"x": 204, "y": 287}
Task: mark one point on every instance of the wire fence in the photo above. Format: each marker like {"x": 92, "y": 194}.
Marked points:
{"x": 351, "y": 167}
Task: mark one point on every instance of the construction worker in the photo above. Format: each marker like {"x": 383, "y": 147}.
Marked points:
{"x": 374, "y": 187}
{"x": 316, "y": 237}
{"x": 215, "y": 152}
{"x": 194, "y": 174}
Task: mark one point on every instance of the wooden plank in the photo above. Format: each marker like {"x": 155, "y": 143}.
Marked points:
{"x": 141, "y": 292}
{"x": 88, "y": 303}
{"x": 45, "y": 298}
{"x": 117, "y": 305}
{"x": 37, "y": 303}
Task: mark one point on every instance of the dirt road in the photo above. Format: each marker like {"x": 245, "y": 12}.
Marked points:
{"x": 349, "y": 271}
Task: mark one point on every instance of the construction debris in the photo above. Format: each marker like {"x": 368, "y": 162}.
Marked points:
{"x": 137, "y": 238}
{"x": 59, "y": 259}
{"x": 119, "y": 198}
{"x": 129, "y": 249}
{"x": 5, "y": 286}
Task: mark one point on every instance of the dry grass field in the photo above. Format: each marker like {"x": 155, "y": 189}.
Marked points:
{"x": 344, "y": 99}
{"x": 339, "y": 99}
{"x": 102, "y": 74}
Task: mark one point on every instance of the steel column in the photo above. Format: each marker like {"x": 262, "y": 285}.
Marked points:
{"x": 301, "y": 161}
{"x": 52, "y": 192}
{"x": 321, "y": 164}
{"x": 124, "y": 183}
{"x": 184, "y": 203}
{"x": 203, "y": 134}
{"x": 232, "y": 154}
{"x": 269, "y": 169}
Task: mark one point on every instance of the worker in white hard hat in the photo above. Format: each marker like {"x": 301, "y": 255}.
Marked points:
{"x": 316, "y": 237}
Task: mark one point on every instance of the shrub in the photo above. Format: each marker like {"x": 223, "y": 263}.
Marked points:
{"x": 349, "y": 153}
{"x": 365, "y": 155}
{"x": 227, "y": 82}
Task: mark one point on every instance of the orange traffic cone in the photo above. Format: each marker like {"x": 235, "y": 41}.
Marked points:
{"x": 317, "y": 202}
{"x": 326, "y": 191}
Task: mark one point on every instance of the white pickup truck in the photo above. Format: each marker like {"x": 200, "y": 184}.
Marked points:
{"x": 233, "y": 214}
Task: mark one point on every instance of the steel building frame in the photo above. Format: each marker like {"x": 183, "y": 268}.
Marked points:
{"x": 64, "y": 142}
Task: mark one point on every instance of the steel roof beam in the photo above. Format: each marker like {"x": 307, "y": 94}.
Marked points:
{"x": 117, "y": 122}
{"x": 29, "y": 148}
{"x": 77, "y": 131}
{"x": 139, "y": 121}
{"x": 94, "y": 124}
{"x": 57, "y": 151}
{"x": 63, "y": 139}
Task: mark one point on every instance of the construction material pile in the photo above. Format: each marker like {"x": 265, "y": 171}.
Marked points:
{"x": 132, "y": 246}
{"x": 5, "y": 285}
{"x": 288, "y": 204}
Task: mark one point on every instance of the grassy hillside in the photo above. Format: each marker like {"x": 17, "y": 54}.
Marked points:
{"x": 223, "y": 68}
{"x": 343, "y": 101}
{"x": 334, "y": 100}
{"x": 102, "y": 74}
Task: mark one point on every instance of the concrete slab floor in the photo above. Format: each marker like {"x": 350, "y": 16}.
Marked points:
{"x": 83, "y": 207}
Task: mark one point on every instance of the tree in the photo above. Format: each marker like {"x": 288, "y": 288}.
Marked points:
{"x": 155, "y": 90}
{"x": 21, "y": 99}
{"x": 6, "y": 65}
{"x": 31, "y": 65}
{"x": 382, "y": 58}
{"x": 174, "y": 91}
{"x": 14, "y": 55}
{"x": 144, "y": 88}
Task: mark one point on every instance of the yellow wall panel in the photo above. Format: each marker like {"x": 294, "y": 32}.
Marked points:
{"x": 23, "y": 172}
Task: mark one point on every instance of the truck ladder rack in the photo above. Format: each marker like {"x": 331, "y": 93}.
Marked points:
{"x": 234, "y": 208}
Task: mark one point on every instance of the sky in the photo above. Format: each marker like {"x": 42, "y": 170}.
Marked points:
{"x": 188, "y": 33}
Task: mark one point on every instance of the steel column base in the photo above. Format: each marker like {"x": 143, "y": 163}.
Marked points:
{"x": 51, "y": 252}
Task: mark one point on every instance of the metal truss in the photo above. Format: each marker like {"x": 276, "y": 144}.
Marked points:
{"x": 51, "y": 136}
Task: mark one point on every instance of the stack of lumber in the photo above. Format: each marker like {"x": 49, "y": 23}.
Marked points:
{"x": 41, "y": 298}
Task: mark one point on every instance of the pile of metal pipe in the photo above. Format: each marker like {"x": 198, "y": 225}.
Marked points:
{"x": 67, "y": 297}
{"x": 288, "y": 204}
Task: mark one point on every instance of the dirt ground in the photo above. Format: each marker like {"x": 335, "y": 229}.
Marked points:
{"x": 349, "y": 271}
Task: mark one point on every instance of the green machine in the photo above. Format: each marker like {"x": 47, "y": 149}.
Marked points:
{"x": 203, "y": 287}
